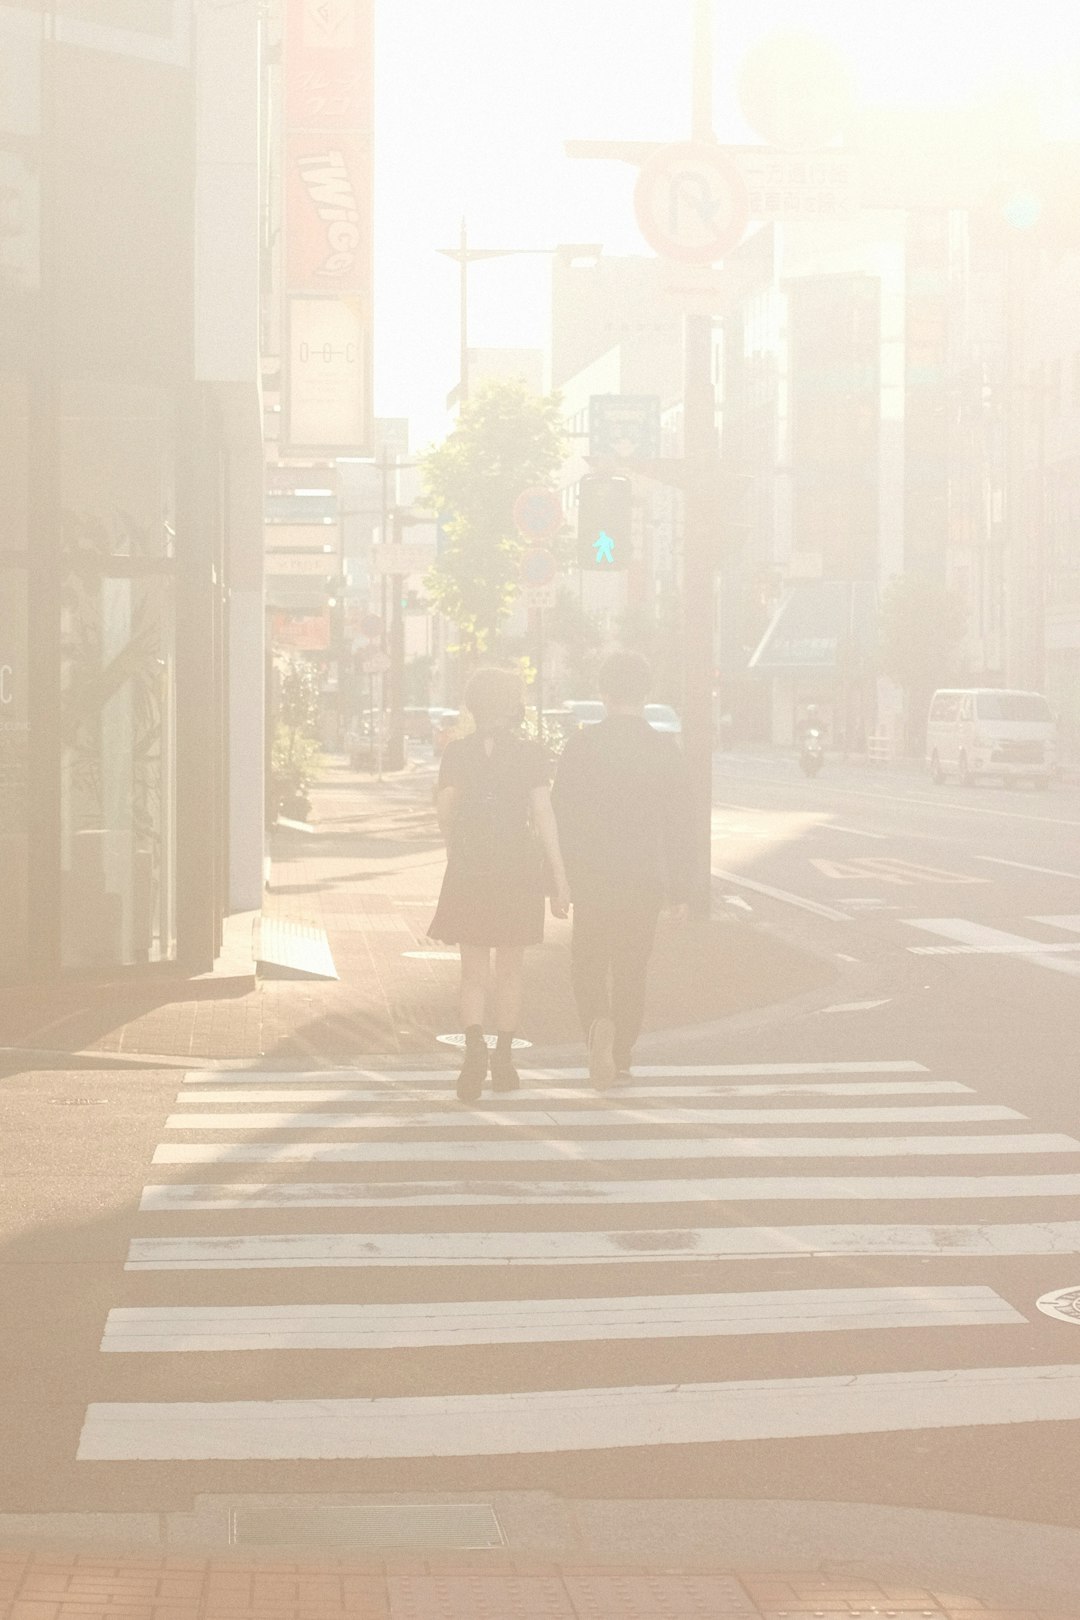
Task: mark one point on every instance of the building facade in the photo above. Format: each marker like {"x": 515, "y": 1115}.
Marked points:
{"x": 130, "y": 483}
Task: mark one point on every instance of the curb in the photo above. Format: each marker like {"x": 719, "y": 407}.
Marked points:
{"x": 794, "y": 1556}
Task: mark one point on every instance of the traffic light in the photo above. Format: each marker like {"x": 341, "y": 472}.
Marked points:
{"x": 605, "y": 517}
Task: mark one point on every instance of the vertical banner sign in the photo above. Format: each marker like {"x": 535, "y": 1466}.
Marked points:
{"x": 329, "y": 79}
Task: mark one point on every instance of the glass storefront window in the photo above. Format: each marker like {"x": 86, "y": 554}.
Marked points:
{"x": 116, "y": 481}
{"x": 14, "y": 681}
{"x": 116, "y": 770}
{"x": 117, "y": 722}
{"x": 14, "y": 771}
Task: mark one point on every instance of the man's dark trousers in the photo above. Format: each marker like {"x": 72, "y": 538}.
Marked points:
{"x": 613, "y": 940}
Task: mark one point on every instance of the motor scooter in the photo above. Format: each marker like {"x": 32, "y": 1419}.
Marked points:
{"x": 812, "y": 752}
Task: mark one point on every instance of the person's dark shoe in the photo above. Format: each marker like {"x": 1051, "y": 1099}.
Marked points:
{"x": 601, "y": 1053}
{"x": 504, "y": 1075}
{"x": 473, "y": 1073}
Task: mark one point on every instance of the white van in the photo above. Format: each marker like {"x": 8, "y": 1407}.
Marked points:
{"x": 991, "y": 731}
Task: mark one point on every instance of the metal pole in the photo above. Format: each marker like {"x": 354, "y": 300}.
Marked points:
{"x": 540, "y": 674}
{"x": 699, "y": 449}
{"x": 463, "y": 385}
{"x": 396, "y": 750}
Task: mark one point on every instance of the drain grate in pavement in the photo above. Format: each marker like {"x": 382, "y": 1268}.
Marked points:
{"x": 467, "y": 1526}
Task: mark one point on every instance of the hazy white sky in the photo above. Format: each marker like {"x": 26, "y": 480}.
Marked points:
{"x": 475, "y": 99}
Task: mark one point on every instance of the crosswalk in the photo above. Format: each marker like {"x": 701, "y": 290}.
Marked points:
{"x": 543, "y": 1227}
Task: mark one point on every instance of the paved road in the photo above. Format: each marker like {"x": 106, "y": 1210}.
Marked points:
{"x": 798, "y": 1258}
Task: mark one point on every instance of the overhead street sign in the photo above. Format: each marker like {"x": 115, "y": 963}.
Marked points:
{"x": 785, "y": 186}
{"x": 538, "y": 513}
{"x": 691, "y": 202}
{"x": 626, "y": 426}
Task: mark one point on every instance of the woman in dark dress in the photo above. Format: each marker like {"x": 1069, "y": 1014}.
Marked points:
{"x": 502, "y": 856}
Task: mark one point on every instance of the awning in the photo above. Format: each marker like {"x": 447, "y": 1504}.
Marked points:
{"x": 822, "y": 624}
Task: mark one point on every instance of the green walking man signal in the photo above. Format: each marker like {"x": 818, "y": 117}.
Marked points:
{"x": 605, "y": 520}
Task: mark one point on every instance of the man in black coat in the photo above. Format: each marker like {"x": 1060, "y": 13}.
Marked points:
{"x": 621, "y": 802}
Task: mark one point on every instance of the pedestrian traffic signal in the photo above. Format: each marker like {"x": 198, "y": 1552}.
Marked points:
{"x": 605, "y": 518}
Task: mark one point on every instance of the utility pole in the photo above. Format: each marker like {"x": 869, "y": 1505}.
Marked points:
{"x": 700, "y": 451}
{"x": 697, "y": 476}
{"x": 396, "y": 749}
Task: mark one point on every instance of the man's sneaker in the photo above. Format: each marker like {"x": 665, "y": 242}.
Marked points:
{"x": 601, "y": 1053}
{"x": 470, "y": 1081}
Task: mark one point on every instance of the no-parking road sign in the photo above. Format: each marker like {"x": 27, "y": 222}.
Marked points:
{"x": 538, "y": 513}
{"x": 691, "y": 202}
{"x": 538, "y": 567}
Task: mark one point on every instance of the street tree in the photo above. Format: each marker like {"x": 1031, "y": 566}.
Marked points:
{"x": 921, "y": 625}
{"x": 507, "y": 439}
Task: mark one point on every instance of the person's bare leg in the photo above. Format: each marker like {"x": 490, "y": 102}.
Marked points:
{"x": 509, "y": 964}
{"x": 509, "y": 967}
{"x": 475, "y": 973}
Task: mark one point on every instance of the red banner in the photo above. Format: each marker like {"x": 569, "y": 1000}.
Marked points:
{"x": 309, "y": 633}
{"x": 328, "y": 206}
{"x": 328, "y": 46}
{"x": 328, "y": 210}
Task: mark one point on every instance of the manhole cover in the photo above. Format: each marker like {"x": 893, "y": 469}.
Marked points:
{"x": 1063, "y": 1303}
{"x": 459, "y": 1040}
{"x": 463, "y": 1525}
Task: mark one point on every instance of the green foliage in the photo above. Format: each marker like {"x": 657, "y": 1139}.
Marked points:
{"x": 295, "y": 748}
{"x": 506, "y": 440}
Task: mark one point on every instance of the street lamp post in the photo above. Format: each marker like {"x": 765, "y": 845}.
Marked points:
{"x": 464, "y": 255}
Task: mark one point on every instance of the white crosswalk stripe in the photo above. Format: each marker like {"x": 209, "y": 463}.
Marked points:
{"x": 317, "y": 1120}
{"x": 546, "y": 1321}
{"x": 622, "y": 1149}
{"x": 330, "y": 1250}
{"x": 552, "y": 1179}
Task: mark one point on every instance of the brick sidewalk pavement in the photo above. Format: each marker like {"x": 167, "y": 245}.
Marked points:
{"x": 85, "y": 1586}
{"x": 367, "y": 870}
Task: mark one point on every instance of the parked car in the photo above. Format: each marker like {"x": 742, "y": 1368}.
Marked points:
{"x": 585, "y": 711}
{"x": 418, "y": 724}
{"x": 558, "y": 724}
{"x": 446, "y": 726}
{"x": 991, "y": 731}
{"x": 662, "y": 717}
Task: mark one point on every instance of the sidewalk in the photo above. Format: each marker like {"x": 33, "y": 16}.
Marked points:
{"x": 84, "y": 1586}
{"x": 367, "y": 869}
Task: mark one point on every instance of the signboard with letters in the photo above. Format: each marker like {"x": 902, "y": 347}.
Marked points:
{"x": 392, "y": 559}
{"x": 329, "y": 361}
{"x": 792, "y": 186}
{"x": 626, "y": 426}
{"x": 320, "y": 564}
{"x": 329, "y": 54}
